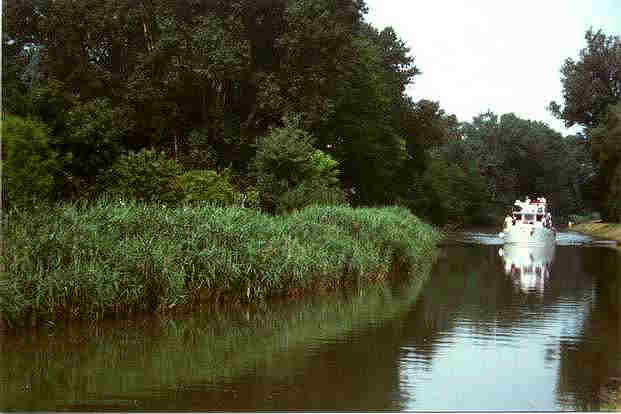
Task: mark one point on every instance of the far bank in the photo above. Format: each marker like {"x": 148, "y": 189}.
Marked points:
{"x": 598, "y": 228}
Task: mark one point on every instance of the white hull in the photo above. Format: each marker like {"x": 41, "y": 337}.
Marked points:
{"x": 529, "y": 235}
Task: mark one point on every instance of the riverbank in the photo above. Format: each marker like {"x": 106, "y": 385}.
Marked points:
{"x": 115, "y": 258}
{"x": 214, "y": 344}
{"x": 612, "y": 400}
{"x": 601, "y": 229}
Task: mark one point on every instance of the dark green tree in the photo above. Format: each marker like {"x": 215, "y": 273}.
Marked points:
{"x": 95, "y": 135}
{"x": 364, "y": 133}
{"x": 291, "y": 173}
{"x": 606, "y": 149}
{"x": 592, "y": 82}
{"x": 591, "y": 88}
{"x": 519, "y": 157}
{"x": 31, "y": 168}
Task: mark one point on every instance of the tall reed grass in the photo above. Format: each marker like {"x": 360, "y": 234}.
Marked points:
{"x": 115, "y": 257}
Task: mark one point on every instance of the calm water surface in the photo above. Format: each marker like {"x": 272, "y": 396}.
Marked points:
{"x": 491, "y": 328}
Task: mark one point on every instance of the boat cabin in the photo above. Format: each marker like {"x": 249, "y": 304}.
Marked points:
{"x": 533, "y": 212}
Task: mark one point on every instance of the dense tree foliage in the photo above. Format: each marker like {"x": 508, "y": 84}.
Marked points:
{"x": 519, "y": 157}
{"x": 204, "y": 80}
{"x": 450, "y": 193}
{"x": 145, "y": 175}
{"x": 606, "y": 143}
{"x": 29, "y": 163}
{"x": 592, "y": 82}
{"x": 591, "y": 89}
{"x": 291, "y": 173}
{"x": 269, "y": 96}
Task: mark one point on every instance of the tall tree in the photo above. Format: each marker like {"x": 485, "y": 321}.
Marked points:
{"x": 592, "y": 82}
{"x": 591, "y": 89}
{"x": 364, "y": 133}
{"x": 606, "y": 144}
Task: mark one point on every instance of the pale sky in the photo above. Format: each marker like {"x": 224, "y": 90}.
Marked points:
{"x": 494, "y": 54}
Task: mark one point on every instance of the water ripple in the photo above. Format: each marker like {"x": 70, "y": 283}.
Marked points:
{"x": 491, "y": 237}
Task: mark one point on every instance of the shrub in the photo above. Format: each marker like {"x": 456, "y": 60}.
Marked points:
{"x": 206, "y": 185}
{"x": 324, "y": 167}
{"x": 146, "y": 175}
{"x": 291, "y": 173}
{"x": 308, "y": 193}
{"x": 51, "y": 103}
{"x": 248, "y": 198}
{"x": 95, "y": 133}
{"x": 199, "y": 154}
{"x": 30, "y": 166}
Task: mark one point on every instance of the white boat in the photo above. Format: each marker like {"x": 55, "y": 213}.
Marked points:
{"x": 528, "y": 265}
{"x": 530, "y": 223}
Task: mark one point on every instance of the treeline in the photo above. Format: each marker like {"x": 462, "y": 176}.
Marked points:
{"x": 519, "y": 157}
{"x": 205, "y": 81}
{"x": 273, "y": 103}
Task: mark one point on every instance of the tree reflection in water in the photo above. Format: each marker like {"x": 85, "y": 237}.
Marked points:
{"x": 472, "y": 337}
{"x": 546, "y": 319}
{"x": 591, "y": 366}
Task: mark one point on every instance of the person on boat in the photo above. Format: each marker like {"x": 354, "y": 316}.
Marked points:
{"x": 508, "y": 220}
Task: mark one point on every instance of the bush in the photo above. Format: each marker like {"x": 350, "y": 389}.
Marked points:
{"x": 200, "y": 154}
{"x": 146, "y": 175}
{"x": 30, "y": 166}
{"x": 308, "y": 193}
{"x": 51, "y": 103}
{"x": 248, "y": 198}
{"x": 206, "y": 185}
{"x": 291, "y": 173}
{"x": 95, "y": 134}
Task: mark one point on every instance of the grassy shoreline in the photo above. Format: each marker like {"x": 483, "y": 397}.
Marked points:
{"x": 265, "y": 338}
{"x": 601, "y": 229}
{"x": 114, "y": 258}
{"x": 612, "y": 400}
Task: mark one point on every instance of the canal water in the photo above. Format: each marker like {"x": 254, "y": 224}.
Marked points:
{"x": 490, "y": 328}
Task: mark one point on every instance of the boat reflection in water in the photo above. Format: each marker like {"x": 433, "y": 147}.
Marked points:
{"x": 528, "y": 266}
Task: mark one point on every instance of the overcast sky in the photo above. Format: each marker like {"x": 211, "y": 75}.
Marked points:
{"x": 489, "y": 54}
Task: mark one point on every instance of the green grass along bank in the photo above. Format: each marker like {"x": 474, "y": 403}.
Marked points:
{"x": 114, "y": 258}
{"x": 598, "y": 228}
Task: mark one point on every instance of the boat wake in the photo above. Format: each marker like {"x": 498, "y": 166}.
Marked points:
{"x": 563, "y": 238}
